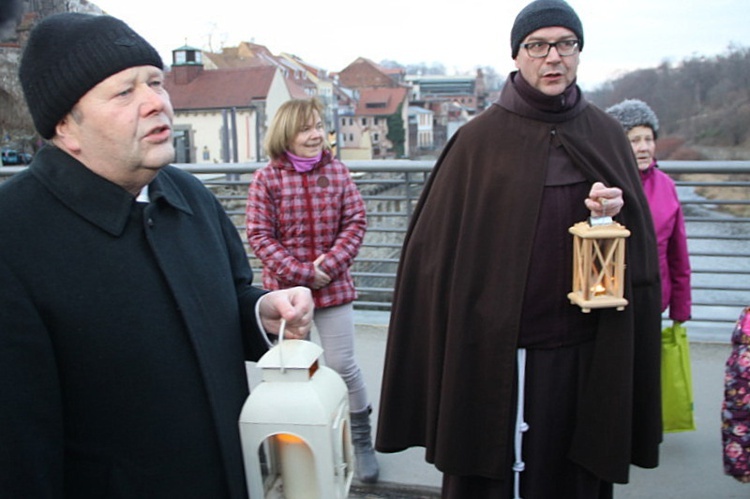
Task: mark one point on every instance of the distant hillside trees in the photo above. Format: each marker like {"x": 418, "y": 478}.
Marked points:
{"x": 704, "y": 100}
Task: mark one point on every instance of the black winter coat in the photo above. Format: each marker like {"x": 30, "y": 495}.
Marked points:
{"x": 123, "y": 336}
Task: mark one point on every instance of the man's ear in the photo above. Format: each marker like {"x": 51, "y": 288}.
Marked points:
{"x": 65, "y": 135}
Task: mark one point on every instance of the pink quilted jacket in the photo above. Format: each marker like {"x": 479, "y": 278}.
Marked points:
{"x": 292, "y": 218}
{"x": 674, "y": 261}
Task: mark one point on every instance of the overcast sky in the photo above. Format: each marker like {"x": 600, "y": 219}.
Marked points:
{"x": 618, "y": 35}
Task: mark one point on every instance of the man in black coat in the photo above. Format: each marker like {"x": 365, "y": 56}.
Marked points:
{"x": 126, "y": 305}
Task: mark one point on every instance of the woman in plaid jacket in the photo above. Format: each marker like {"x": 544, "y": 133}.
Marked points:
{"x": 305, "y": 222}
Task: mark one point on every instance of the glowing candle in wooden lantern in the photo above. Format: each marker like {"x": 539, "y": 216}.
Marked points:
{"x": 598, "y": 265}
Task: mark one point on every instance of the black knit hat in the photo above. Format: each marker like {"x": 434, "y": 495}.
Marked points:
{"x": 68, "y": 54}
{"x": 543, "y": 14}
{"x": 634, "y": 112}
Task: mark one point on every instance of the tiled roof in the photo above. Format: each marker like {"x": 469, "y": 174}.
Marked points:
{"x": 228, "y": 59}
{"x": 379, "y": 101}
{"x": 221, "y": 88}
{"x": 296, "y": 89}
{"x": 314, "y": 70}
{"x": 246, "y": 54}
{"x": 252, "y": 55}
{"x": 365, "y": 73}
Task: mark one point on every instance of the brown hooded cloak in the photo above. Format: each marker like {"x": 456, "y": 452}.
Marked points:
{"x": 450, "y": 359}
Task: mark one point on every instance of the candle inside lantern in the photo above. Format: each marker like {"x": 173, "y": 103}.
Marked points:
{"x": 598, "y": 290}
{"x": 598, "y": 265}
{"x": 297, "y": 467}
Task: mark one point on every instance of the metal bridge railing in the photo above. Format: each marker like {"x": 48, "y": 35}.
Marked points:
{"x": 715, "y": 196}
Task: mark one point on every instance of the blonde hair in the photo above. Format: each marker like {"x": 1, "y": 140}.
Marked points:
{"x": 288, "y": 121}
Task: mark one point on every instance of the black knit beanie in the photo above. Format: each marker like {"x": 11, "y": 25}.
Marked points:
{"x": 543, "y": 14}
{"x": 68, "y": 54}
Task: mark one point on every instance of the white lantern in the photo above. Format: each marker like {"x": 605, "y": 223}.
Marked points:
{"x": 295, "y": 428}
{"x": 598, "y": 264}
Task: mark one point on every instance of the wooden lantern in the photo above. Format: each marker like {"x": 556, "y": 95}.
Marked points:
{"x": 295, "y": 427}
{"x": 598, "y": 264}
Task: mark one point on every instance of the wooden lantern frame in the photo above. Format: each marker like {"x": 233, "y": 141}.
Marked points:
{"x": 598, "y": 265}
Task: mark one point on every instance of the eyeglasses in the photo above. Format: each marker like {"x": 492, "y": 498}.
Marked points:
{"x": 565, "y": 48}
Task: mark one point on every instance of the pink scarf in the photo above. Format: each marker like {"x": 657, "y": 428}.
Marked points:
{"x": 303, "y": 165}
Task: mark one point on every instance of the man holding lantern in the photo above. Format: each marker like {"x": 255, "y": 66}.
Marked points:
{"x": 512, "y": 390}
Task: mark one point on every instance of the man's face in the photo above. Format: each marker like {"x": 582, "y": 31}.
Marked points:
{"x": 552, "y": 74}
{"x": 122, "y": 128}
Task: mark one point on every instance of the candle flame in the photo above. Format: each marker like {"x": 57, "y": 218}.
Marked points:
{"x": 289, "y": 439}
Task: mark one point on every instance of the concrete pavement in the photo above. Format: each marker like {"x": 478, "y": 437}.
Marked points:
{"x": 691, "y": 462}
{"x": 403, "y": 474}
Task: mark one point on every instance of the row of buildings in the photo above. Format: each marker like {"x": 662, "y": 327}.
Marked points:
{"x": 224, "y": 101}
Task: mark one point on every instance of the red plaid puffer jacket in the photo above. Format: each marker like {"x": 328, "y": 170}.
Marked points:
{"x": 292, "y": 218}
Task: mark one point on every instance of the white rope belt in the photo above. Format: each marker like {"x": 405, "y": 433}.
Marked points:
{"x": 521, "y": 426}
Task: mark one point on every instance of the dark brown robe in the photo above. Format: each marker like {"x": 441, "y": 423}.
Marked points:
{"x": 449, "y": 371}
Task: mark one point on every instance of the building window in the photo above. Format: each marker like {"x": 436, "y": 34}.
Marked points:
{"x": 376, "y": 137}
{"x": 181, "y": 138}
{"x": 364, "y": 121}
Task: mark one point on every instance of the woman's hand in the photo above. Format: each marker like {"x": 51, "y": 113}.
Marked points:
{"x": 321, "y": 278}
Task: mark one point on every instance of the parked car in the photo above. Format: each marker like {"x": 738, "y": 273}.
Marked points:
{"x": 10, "y": 157}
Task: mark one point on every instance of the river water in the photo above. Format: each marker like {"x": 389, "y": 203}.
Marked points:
{"x": 720, "y": 265}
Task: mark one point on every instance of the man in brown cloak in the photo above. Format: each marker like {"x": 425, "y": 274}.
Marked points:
{"x": 484, "y": 274}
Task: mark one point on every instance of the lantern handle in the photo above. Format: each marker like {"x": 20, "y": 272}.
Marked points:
{"x": 282, "y": 326}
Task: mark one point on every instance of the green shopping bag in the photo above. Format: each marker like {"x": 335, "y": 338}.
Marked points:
{"x": 676, "y": 380}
